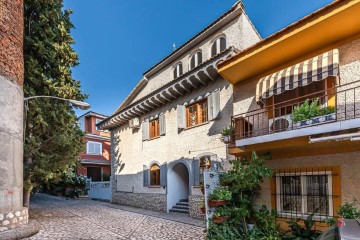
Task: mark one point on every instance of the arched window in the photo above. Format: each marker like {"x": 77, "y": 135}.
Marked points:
{"x": 154, "y": 175}
{"x": 196, "y": 59}
{"x": 178, "y": 70}
{"x": 218, "y": 46}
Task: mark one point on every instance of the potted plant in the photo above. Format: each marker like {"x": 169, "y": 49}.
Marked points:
{"x": 202, "y": 207}
{"x": 219, "y": 197}
{"x": 312, "y": 113}
{"x": 227, "y": 134}
{"x": 221, "y": 214}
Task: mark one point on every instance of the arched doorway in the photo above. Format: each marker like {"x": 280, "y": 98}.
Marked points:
{"x": 178, "y": 184}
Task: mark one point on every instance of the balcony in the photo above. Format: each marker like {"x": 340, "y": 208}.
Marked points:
{"x": 334, "y": 110}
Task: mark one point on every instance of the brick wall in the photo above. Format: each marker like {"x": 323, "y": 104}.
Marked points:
{"x": 11, "y": 40}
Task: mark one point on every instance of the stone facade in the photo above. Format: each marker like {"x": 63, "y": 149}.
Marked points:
{"x": 195, "y": 204}
{"x": 177, "y": 146}
{"x": 150, "y": 201}
{"x": 13, "y": 219}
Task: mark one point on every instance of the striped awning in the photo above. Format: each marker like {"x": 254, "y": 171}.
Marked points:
{"x": 301, "y": 74}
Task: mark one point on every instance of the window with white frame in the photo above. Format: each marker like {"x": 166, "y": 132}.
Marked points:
{"x": 304, "y": 193}
{"x": 96, "y": 122}
{"x": 93, "y": 148}
{"x": 196, "y": 59}
{"x": 218, "y": 46}
{"x": 178, "y": 70}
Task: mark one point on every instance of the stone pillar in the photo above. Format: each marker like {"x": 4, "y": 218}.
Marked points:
{"x": 12, "y": 213}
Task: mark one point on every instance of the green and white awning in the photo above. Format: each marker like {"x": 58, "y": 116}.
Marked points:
{"x": 301, "y": 74}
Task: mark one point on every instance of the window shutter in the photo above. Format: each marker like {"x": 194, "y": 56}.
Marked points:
{"x": 222, "y": 44}
{"x": 163, "y": 175}
{"x": 196, "y": 171}
{"x": 210, "y": 107}
{"x": 192, "y": 61}
{"x": 215, "y": 104}
{"x": 146, "y": 176}
{"x": 180, "y": 70}
{"x": 199, "y": 54}
{"x": 181, "y": 116}
{"x": 213, "y": 49}
{"x": 145, "y": 130}
{"x": 162, "y": 124}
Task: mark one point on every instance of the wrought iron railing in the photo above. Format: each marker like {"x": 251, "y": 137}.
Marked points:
{"x": 337, "y": 104}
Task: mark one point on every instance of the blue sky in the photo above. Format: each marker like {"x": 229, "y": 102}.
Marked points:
{"x": 118, "y": 40}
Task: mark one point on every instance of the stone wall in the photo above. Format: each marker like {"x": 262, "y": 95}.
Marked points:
{"x": 155, "y": 202}
{"x": 195, "y": 202}
{"x": 11, "y": 104}
{"x": 13, "y": 218}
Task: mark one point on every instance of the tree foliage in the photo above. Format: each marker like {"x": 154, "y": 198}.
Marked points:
{"x": 53, "y": 139}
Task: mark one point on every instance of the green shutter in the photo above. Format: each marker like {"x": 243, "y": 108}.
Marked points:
{"x": 162, "y": 124}
{"x": 163, "y": 175}
{"x": 181, "y": 116}
{"x": 196, "y": 171}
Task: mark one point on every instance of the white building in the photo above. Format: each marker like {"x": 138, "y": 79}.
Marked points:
{"x": 168, "y": 128}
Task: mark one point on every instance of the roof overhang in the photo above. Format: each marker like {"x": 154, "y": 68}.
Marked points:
{"x": 202, "y": 75}
{"x": 317, "y": 32}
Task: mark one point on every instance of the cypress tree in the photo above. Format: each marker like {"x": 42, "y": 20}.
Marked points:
{"x": 53, "y": 139}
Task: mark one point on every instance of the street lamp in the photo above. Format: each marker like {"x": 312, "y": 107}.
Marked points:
{"x": 76, "y": 103}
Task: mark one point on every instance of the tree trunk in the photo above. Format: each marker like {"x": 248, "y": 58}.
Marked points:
{"x": 26, "y": 198}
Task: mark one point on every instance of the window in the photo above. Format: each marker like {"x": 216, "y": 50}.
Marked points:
{"x": 94, "y": 148}
{"x": 304, "y": 193}
{"x": 154, "y": 128}
{"x": 96, "y": 122}
{"x": 218, "y": 46}
{"x": 195, "y": 60}
{"x": 197, "y": 113}
{"x": 178, "y": 70}
{"x": 154, "y": 175}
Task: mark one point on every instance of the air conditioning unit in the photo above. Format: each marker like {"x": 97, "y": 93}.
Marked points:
{"x": 280, "y": 124}
{"x": 134, "y": 123}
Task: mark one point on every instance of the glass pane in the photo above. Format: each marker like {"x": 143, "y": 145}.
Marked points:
{"x": 204, "y": 112}
{"x": 290, "y": 194}
{"x": 192, "y": 117}
{"x": 317, "y": 194}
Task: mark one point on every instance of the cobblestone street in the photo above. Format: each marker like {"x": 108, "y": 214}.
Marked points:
{"x": 86, "y": 219}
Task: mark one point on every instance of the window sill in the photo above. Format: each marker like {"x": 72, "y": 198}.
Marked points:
{"x": 94, "y": 154}
{"x": 198, "y": 125}
{"x": 155, "y": 186}
{"x": 154, "y": 138}
{"x": 302, "y": 216}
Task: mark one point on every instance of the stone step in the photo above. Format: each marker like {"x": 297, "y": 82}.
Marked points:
{"x": 173, "y": 210}
{"x": 182, "y": 204}
{"x": 180, "y": 207}
{"x": 184, "y": 200}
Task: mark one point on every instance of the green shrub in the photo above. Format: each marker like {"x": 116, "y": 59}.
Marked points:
{"x": 222, "y": 211}
{"x": 309, "y": 110}
{"x": 305, "y": 232}
{"x": 265, "y": 227}
{"x": 220, "y": 193}
{"x": 229, "y": 131}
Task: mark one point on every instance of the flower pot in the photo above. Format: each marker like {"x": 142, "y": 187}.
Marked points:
{"x": 203, "y": 210}
{"x": 216, "y": 203}
{"x": 220, "y": 219}
{"x": 316, "y": 120}
{"x": 227, "y": 139}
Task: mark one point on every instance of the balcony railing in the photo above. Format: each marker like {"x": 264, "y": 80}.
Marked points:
{"x": 337, "y": 104}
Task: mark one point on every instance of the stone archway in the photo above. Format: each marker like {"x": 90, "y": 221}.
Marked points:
{"x": 178, "y": 184}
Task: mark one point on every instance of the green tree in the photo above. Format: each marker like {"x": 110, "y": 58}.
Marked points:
{"x": 53, "y": 139}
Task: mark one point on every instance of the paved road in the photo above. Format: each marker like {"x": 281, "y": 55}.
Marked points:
{"x": 86, "y": 219}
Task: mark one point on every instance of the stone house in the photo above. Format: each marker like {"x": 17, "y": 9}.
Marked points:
{"x": 95, "y": 161}
{"x": 316, "y": 156}
{"x": 167, "y": 130}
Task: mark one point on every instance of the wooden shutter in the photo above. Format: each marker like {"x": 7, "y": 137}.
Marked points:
{"x": 162, "y": 124}
{"x": 215, "y": 104}
{"x": 145, "y": 130}
{"x": 163, "y": 175}
{"x": 181, "y": 116}
{"x": 196, "y": 171}
{"x": 210, "y": 107}
{"x": 146, "y": 176}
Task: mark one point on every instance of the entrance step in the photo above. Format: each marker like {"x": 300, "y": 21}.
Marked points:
{"x": 181, "y": 207}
